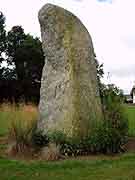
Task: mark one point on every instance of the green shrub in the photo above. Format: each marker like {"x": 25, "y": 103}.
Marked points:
{"x": 113, "y": 132}
{"x": 39, "y": 139}
{"x": 71, "y": 147}
{"x": 106, "y": 139}
{"x": 68, "y": 146}
{"x": 109, "y": 136}
{"x": 57, "y": 137}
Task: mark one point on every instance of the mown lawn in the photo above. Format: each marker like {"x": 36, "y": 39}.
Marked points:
{"x": 122, "y": 168}
{"x": 130, "y": 111}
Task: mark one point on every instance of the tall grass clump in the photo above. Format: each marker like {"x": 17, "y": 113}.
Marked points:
{"x": 21, "y": 123}
{"x": 5, "y": 118}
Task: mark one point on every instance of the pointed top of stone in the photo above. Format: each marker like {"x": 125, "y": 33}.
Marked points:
{"x": 48, "y": 7}
{"x": 55, "y": 10}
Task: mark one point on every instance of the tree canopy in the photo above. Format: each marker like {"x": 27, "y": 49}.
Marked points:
{"x": 24, "y": 59}
{"x": 2, "y": 36}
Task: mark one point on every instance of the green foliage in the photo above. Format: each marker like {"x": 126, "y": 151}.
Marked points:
{"x": 15, "y": 38}
{"x": 130, "y": 111}
{"x": 7, "y": 73}
{"x": 100, "y": 74}
{"x": 2, "y": 36}
{"x": 57, "y": 137}
{"x": 68, "y": 146}
{"x": 112, "y": 133}
{"x": 103, "y": 140}
{"x": 25, "y": 52}
{"x": 100, "y": 70}
{"x": 106, "y": 139}
{"x": 114, "y": 109}
{"x": 24, "y": 58}
{"x": 39, "y": 140}
{"x": 115, "y": 120}
{"x": 30, "y": 55}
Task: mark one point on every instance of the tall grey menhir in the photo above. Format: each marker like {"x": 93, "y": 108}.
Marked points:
{"x": 69, "y": 95}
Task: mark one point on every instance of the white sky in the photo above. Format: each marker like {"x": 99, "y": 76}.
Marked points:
{"x": 110, "y": 23}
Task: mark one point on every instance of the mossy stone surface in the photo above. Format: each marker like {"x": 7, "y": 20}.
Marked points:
{"x": 69, "y": 95}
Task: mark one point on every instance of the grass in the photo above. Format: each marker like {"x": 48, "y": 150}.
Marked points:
{"x": 102, "y": 168}
{"x": 130, "y": 111}
{"x": 121, "y": 168}
{"x": 10, "y": 113}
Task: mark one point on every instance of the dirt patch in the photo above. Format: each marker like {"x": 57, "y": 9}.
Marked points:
{"x": 3, "y": 140}
{"x": 130, "y": 146}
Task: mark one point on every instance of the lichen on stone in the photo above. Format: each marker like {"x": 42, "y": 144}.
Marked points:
{"x": 68, "y": 95}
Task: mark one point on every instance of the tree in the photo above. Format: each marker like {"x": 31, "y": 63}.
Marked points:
{"x": 2, "y": 36}
{"x": 25, "y": 54}
{"x": 15, "y": 38}
{"x": 100, "y": 75}
{"x": 29, "y": 57}
{"x": 30, "y": 61}
{"x": 100, "y": 70}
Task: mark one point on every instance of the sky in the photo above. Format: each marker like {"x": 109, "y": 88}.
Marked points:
{"x": 109, "y": 22}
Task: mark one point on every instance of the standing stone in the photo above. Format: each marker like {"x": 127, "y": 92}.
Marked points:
{"x": 69, "y": 95}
